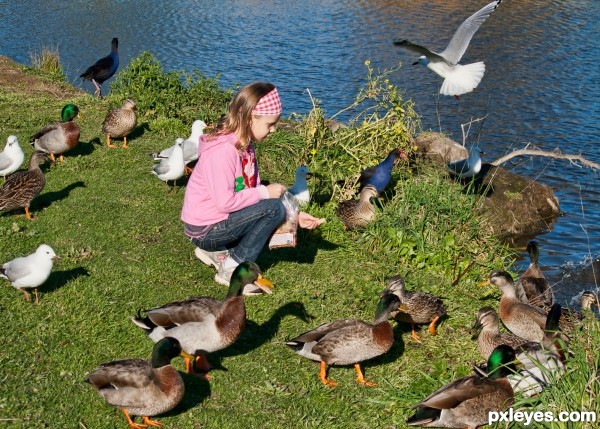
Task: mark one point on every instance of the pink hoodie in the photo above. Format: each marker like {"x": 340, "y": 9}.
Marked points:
{"x": 210, "y": 194}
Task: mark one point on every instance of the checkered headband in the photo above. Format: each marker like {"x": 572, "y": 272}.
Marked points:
{"x": 269, "y": 104}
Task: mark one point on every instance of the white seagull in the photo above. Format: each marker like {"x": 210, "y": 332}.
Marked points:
{"x": 458, "y": 79}
{"x": 171, "y": 167}
{"x": 468, "y": 167}
{"x": 29, "y": 272}
{"x": 190, "y": 146}
{"x": 11, "y": 157}
{"x": 300, "y": 187}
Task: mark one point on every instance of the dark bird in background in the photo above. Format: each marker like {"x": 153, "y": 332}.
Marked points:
{"x": 379, "y": 175}
{"x": 103, "y": 69}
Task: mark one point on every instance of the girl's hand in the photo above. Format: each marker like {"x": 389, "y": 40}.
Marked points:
{"x": 276, "y": 190}
{"x": 309, "y": 222}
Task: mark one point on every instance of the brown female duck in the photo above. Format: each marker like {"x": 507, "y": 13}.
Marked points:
{"x": 139, "y": 387}
{"x": 523, "y": 320}
{"x": 358, "y": 213}
{"x": 417, "y": 307}
{"x": 348, "y": 341}
{"x": 487, "y": 332}
{"x": 22, "y": 187}
{"x": 120, "y": 122}
{"x": 533, "y": 287}
{"x": 204, "y": 324}
{"x": 58, "y": 137}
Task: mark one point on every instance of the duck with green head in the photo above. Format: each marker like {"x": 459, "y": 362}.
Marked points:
{"x": 58, "y": 137}
{"x": 204, "y": 324}
{"x": 466, "y": 402}
{"x": 349, "y": 341}
{"x": 139, "y": 387}
{"x": 540, "y": 364}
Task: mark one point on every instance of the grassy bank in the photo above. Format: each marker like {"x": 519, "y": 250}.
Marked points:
{"x": 117, "y": 230}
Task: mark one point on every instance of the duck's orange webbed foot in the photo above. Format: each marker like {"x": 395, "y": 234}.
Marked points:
{"x": 360, "y": 377}
{"x": 323, "y": 376}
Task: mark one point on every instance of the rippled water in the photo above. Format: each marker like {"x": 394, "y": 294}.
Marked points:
{"x": 542, "y": 84}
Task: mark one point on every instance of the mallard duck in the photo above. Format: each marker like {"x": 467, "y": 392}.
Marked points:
{"x": 11, "y": 157}
{"x": 204, "y": 324}
{"x": 540, "y": 364}
{"x": 523, "y": 320}
{"x": 171, "y": 167}
{"x": 300, "y": 187}
{"x": 29, "y": 272}
{"x": 22, "y": 187}
{"x": 58, "y": 137}
{"x": 358, "y": 213}
{"x": 467, "y": 402}
{"x": 349, "y": 341}
{"x": 104, "y": 68}
{"x": 380, "y": 175}
{"x": 468, "y": 167}
{"x": 139, "y": 387}
{"x": 120, "y": 122}
{"x": 588, "y": 300}
{"x": 190, "y": 146}
{"x": 417, "y": 307}
{"x": 487, "y": 332}
{"x": 533, "y": 287}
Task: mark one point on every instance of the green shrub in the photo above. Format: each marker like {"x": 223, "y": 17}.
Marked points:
{"x": 178, "y": 95}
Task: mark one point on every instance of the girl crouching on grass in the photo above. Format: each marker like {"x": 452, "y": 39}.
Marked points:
{"x": 227, "y": 213}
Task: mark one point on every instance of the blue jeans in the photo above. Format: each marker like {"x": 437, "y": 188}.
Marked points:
{"x": 245, "y": 232}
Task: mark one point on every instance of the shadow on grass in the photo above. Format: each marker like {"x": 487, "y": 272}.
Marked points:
{"x": 46, "y": 200}
{"x": 84, "y": 148}
{"x": 256, "y": 335}
{"x": 309, "y": 242}
{"x": 197, "y": 390}
{"x": 58, "y": 279}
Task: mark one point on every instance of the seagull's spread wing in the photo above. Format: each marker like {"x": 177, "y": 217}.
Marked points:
{"x": 418, "y": 49}
{"x": 461, "y": 39}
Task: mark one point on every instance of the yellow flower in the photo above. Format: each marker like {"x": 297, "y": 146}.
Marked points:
{"x": 313, "y": 152}
{"x": 368, "y": 62}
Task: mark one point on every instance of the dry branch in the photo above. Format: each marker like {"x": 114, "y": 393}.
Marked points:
{"x": 556, "y": 155}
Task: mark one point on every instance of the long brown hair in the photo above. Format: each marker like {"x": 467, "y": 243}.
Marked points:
{"x": 238, "y": 118}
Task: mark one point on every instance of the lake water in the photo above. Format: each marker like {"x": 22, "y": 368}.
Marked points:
{"x": 542, "y": 83}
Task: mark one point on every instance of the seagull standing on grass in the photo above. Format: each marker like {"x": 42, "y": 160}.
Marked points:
{"x": 468, "y": 167}
{"x": 29, "y": 272}
{"x": 190, "y": 146}
{"x": 11, "y": 157}
{"x": 172, "y": 167}
{"x": 458, "y": 79}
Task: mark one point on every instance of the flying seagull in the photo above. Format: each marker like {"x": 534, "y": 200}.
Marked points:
{"x": 458, "y": 79}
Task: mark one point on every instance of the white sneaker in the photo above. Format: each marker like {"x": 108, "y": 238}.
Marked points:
{"x": 211, "y": 258}
{"x": 224, "y": 275}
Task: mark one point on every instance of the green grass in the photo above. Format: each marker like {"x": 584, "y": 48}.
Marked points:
{"x": 116, "y": 228}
